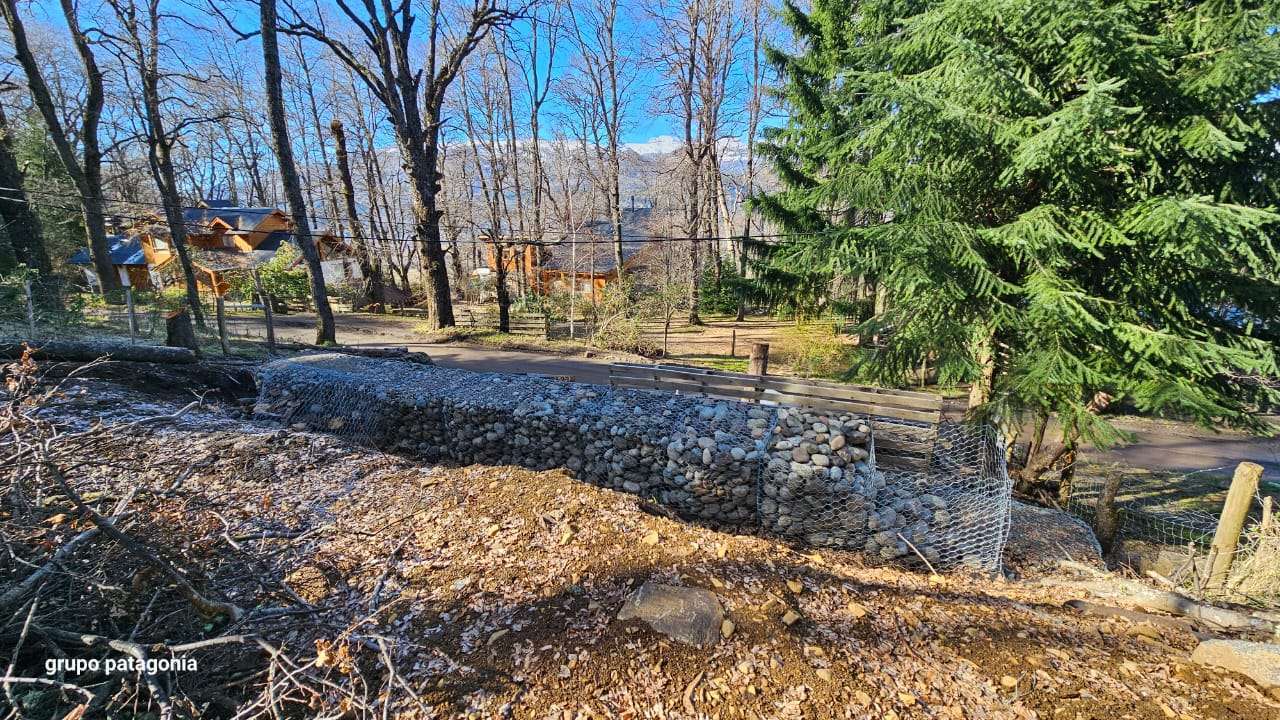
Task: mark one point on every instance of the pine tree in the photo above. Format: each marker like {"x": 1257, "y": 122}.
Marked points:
{"x": 1066, "y": 202}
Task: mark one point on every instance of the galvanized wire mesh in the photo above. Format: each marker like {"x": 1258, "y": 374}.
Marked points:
{"x": 38, "y": 309}
{"x": 1148, "y": 521}
{"x": 1177, "y": 541}
{"x": 805, "y": 475}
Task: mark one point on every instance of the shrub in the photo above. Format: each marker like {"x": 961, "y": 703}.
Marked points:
{"x": 282, "y": 277}
{"x": 617, "y": 325}
{"x": 815, "y": 350}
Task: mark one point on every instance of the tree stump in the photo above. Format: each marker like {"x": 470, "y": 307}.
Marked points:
{"x": 759, "y": 363}
{"x": 179, "y": 332}
{"x": 1106, "y": 519}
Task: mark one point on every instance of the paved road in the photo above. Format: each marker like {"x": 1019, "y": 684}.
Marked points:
{"x": 1159, "y": 445}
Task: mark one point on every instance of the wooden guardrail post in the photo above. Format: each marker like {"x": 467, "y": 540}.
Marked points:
{"x": 268, "y": 315}
{"x": 1244, "y": 485}
{"x": 222, "y": 323}
{"x": 759, "y": 364}
{"x": 31, "y": 308}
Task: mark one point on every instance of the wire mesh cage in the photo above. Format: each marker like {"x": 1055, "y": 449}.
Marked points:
{"x": 805, "y": 475}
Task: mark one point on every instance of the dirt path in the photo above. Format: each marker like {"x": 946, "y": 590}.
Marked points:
{"x": 1159, "y": 445}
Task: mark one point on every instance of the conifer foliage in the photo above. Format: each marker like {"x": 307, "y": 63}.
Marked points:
{"x": 1065, "y": 201}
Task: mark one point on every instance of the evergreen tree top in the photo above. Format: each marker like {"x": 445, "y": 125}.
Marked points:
{"x": 1084, "y": 191}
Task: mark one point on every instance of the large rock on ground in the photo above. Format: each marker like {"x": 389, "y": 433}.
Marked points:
{"x": 1257, "y": 661}
{"x": 686, "y": 614}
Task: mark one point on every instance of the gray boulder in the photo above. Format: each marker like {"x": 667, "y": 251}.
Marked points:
{"x": 1260, "y": 662}
{"x": 689, "y": 615}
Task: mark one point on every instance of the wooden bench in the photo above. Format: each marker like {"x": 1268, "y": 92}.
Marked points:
{"x": 905, "y": 423}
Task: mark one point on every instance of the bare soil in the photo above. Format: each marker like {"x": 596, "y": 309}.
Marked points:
{"x": 493, "y": 591}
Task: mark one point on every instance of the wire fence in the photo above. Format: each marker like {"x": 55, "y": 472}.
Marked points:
{"x": 1150, "y": 521}
{"x": 34, "y": 309}
{"x": 1174, "y": 543}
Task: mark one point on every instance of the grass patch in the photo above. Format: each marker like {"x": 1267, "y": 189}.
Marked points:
{"x": 715, "y": 362}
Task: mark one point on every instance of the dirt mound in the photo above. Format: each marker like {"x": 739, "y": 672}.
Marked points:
{"x": 1039, "y": 537}
{"x": 494, "y": 592}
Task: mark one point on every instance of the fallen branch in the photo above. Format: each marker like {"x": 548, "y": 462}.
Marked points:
{"x": 136, "y": 548}
{"x": 1144, "y": 597}
{"x": 1088, "y": 608}
{"x": 81, "y": 351}
{"x": 17, "y": 592}
{"x": 51, "y": 683}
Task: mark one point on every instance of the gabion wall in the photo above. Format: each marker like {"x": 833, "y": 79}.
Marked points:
{"x": 803, "y": 475}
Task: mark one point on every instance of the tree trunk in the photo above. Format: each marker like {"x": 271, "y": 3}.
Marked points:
{"x": 1028, "y": 480}
{"x": 159, "y": 145}
{"x": 425, "y": 185}
{"x": 375, "y": 291}
{"x": 178, "y": 332}
{"x": 695, "y": 280}
{"x": 86, "y": 172}
{"x": 504, "y": 298}
{"x": 1106, "y": 521}
{"x": 21, "y": 223}
{"x": 325, "y": 332}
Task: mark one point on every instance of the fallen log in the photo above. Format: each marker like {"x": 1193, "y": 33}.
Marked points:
{"x": 382, "y": 353}
{"x": 89, "y": 350}
{"x": 1148, "y": 599}
{"x": 232, "y": 381}
{"x": 1136, "y": 616}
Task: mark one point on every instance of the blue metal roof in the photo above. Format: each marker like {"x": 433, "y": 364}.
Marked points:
{"x": 122, "y": 250}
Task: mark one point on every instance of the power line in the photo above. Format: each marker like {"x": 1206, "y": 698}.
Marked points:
{"x": 637, "y": 238}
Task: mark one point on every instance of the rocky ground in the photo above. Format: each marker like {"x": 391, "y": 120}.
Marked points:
{"x": 495, "y": 592}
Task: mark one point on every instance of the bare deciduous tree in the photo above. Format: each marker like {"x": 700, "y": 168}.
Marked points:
{"x": 325, "y": 331}
{"x": 86, "y": 168}
{"x": 413, "y": 96}
{"x": 607, "y": 72}
{"x": 140, "y": 45}
{"x": 374, "y": 290}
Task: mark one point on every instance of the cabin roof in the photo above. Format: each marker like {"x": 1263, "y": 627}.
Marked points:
{"x": 222, "y": 260}
{"x": 560, "y": 257}
{"x": 238, "y": 218}
{"x": 122, "y": 251}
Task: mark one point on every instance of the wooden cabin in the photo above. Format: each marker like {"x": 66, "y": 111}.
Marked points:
{"x": 223, "y": 239}
{"x": 587, "y": 266}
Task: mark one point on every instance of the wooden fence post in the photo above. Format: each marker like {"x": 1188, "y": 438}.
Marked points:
{"x": 31, "y": 307}
{"x": 133, "y": 315}
{"x": 266, "y": 311}
{"x": 222, "y": 323}
{"x": 759, "y": 364}
{"x": 733, "y": 343}
{"x": 1244, "y": 485}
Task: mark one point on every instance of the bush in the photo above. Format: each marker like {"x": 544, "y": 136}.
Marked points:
{"x": 349, "y": 292}
{"x": 617, "y": 325}
{"x": 815, "y": 350}
{"x": 282, "y": 277}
